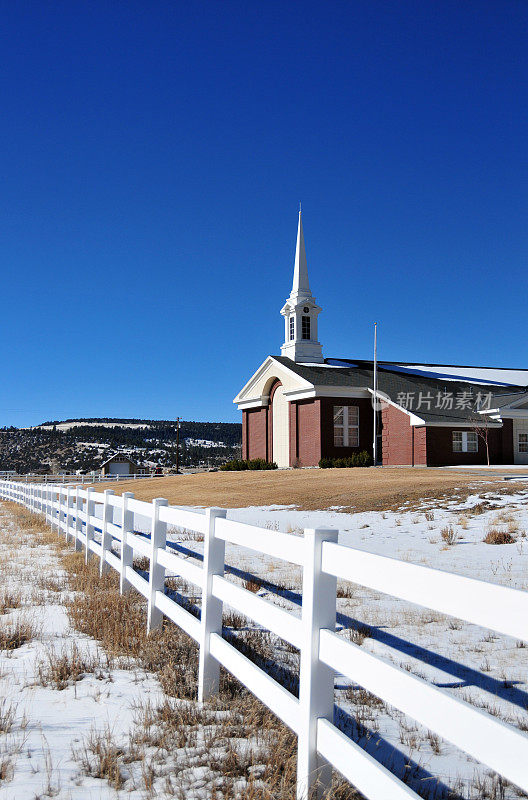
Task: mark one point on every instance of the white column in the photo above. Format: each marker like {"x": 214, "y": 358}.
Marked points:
{"x": 158, "y": 538}
{"x": 316, "y": 680}
{"x": 106, "y": 538}
{"x": 90, "y": 512}
{"x": 127, "y": 553}
{"x": 211, "y": 617}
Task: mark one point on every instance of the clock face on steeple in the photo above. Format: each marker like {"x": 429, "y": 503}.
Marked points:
{"x": 306, "y": 310}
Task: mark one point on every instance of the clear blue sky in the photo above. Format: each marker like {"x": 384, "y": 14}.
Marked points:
{"x": 153, "y": 156}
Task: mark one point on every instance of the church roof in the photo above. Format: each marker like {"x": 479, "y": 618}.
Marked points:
{"x": 414, "y": 385}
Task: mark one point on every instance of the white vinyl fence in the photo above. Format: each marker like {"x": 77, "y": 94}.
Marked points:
{"x": 78, "y": 513}
{"x": 94, "y": 477}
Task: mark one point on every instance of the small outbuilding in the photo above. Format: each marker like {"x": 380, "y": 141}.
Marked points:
{"x": 120, "y": 464}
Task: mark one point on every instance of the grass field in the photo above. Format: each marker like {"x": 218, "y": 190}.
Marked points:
{"x": 358, "y": 489}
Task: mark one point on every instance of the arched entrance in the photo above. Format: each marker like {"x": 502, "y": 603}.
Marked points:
{"x": 280, "y": 427}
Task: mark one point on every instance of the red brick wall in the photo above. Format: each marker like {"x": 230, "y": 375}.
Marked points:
{"x": 402, "y": 444}
{"x": 440, "y": 448}
{"x": 255, "y": 433}
{"x": 305, "y": 432}
{"x": 419, "y": 446}
{"x": 257, "y": 430}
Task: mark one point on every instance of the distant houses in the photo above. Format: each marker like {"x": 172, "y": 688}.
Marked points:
{"x": 120, "y": 464}
{"x": 203, "y": 443}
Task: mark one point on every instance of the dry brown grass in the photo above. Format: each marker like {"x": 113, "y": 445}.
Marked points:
{"x": 362, "y": 489}
{"x": 228, "y": 721}
{"x": 60, "y": 670}
{"x": 119, "y": 623}
{"x": 7, "y": 715}
{"x": 9, "y": 599}
{"x": 449, "y": 534}
{"x": 100, "y": 757}
{"x": 16, "y": 632}
{"x": 494, "y": 536}
{"x": 358, "y": 634}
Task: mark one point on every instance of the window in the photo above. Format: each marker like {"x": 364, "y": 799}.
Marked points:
{"x": 292, "y": 328}
{"x": 523, "y": 443}
{"x": 465, "y": 442}
{"x": 346, "y": 426}
{"x": 305, "y": 327}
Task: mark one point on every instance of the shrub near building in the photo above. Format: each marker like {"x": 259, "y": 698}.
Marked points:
{"x": 238, "y": 464}
{"x": 362, "y": 459}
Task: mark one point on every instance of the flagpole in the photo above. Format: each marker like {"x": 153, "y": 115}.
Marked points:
{"x": 375, "y": 440}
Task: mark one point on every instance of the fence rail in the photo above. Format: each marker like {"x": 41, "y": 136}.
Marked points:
{"x": 92, "y": 477}
{"x": 80, "y": 514}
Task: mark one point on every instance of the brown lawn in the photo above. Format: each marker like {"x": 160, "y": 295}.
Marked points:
{"x": 358, "y": 489}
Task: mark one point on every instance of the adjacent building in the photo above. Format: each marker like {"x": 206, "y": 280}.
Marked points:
{"x": 120, "y": 464}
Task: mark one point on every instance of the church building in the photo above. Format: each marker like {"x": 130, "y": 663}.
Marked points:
{"x": 299, "y": 407}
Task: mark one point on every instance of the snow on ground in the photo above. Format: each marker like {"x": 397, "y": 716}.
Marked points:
{"x": 473, "y": 664}
{"x": 49, "y": 724}
{"x": 111, "y": 732}
{"x": 485, "y": 669}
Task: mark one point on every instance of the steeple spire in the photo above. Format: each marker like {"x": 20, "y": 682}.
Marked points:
{"x": 300, "y": 311}
{"x": 301, "y": 285}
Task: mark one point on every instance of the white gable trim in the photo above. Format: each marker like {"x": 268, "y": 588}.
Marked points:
{"x": 247, "y": 397}
{"x": 326, "y": 391}
{"x": 509, "y": 413}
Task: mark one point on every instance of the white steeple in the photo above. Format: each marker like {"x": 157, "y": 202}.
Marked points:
{"x": 300, "y": 311}
{"x": 300, "y": 271}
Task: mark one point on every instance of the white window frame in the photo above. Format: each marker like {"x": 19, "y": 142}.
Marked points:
{"x": 292, "y": 328}
{"x": 467, "y": 441}
{"x": 522, "y": 447}
{"x": 349, "y": 425}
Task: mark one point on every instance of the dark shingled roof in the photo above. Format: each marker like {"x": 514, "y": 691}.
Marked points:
{"x": 393, "y": 382}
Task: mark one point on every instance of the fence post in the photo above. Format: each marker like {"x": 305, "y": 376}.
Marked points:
{"x": 127, "y": 553}
{"x": 56, "y": 492}
{"x": 211, "y": 617}
{"x": 158, "y": 538}
{"x": 53, "y": 497}
{"x": 106, "y": 538}
{"x": 68, "y": 512}
{"x": 61, "y": 514}
{"x": 316, "y": 680}
{"x": 90, "y": 512}
{"x": 78, "y": 520}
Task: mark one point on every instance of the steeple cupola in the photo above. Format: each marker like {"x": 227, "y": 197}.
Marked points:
{"x": 300, "y": 312}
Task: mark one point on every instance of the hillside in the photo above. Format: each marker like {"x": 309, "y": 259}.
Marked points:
{"x": 83, "y": 444}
